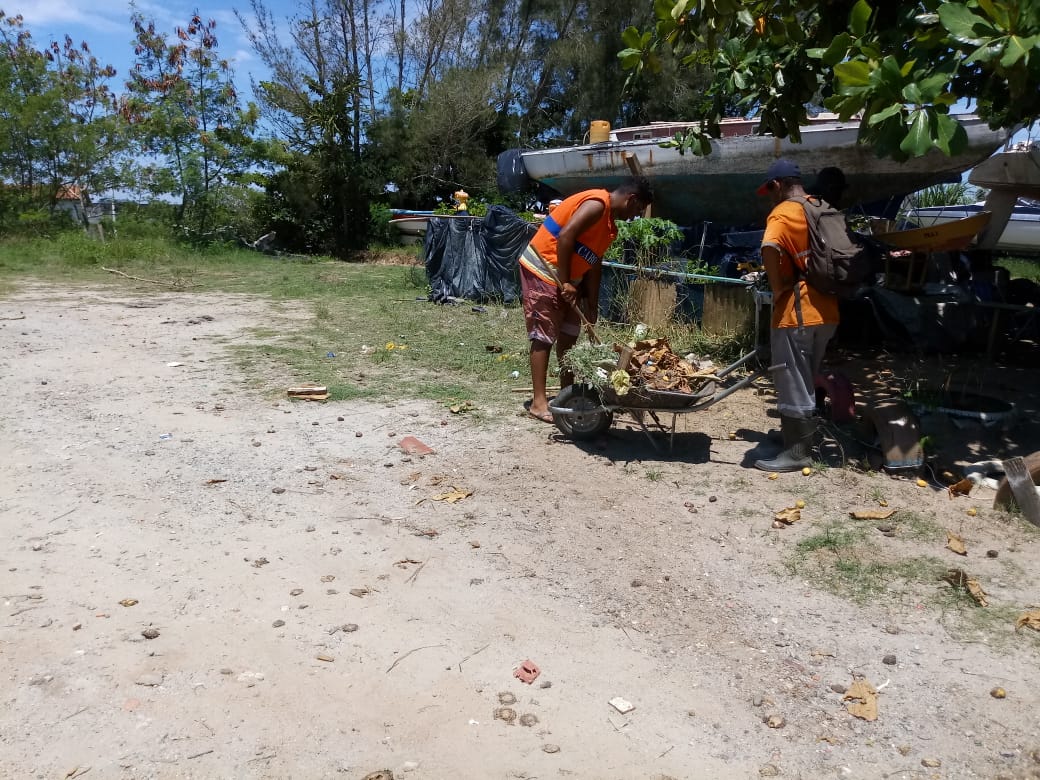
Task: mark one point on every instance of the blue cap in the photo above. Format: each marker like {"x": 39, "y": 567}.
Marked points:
{"x": 780, "y": 169}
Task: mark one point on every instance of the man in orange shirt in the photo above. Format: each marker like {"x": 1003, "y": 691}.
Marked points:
{"x": 561, "y": 268}
{"x": 804, "y": 318}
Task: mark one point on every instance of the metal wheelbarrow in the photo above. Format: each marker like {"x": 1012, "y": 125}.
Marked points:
{"x": 581, "y": 412}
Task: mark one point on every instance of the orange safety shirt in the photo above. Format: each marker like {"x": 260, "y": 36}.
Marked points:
{"x": 588, "y": 249}
{"x": 788, "y": 231}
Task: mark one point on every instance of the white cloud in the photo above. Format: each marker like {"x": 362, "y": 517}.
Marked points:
{"x": 58, "y": 16}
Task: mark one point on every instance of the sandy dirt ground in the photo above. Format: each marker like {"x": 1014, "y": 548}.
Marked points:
{"x": 314, "y": 611}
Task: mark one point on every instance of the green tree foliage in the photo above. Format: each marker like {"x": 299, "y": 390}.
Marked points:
{"x": 60, "y": 131}
{"x": 185, "y": 112}
{"x": 900, "y": 67}
{"x": 318, "y": 200}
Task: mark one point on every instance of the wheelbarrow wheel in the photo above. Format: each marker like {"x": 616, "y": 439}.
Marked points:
{"x": 588, "y": 419}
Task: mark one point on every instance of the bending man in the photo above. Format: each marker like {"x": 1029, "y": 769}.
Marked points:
{"x": 561, "y": 268}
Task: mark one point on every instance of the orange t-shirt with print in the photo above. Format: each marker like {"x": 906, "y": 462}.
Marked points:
{"x": 787, "y": 230}
{"x": 590, "y": 245}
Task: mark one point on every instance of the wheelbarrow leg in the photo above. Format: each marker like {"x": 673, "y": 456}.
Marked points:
{"x": 638, "y": 415}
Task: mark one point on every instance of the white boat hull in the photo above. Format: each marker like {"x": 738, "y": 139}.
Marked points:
{"x": 720, "y": 187}
{"x": 410, "y": 230}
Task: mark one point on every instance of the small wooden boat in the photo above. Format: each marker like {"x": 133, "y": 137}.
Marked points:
{"x": 1021, "y": 234}
{"x": 946, "y": 237}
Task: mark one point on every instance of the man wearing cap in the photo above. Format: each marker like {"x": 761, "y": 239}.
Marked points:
{"x": 804, "y": 318}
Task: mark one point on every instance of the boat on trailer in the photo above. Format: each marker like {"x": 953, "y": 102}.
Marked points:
{"x": 720, "y": 187}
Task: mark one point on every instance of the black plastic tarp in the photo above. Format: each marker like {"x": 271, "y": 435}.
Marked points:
{"x": 476, "y": 258}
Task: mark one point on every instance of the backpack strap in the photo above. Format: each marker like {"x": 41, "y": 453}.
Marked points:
{"x": 799, "y": 271}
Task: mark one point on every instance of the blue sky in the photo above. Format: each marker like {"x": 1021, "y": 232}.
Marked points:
{"x": 105, "y": 26}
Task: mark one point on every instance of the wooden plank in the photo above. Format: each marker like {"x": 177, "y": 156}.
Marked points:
{"x": 1023, "y": 489}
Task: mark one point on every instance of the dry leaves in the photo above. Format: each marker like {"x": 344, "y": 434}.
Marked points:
{"x": 872, "y": 514}
{"x": 1029, "y": 619}
{"x": 455, "y": 494}
{"x": 788, "y": 516}
{"x": 959, "y": 579}
{"x": 861, "y": 698}
{"x": 955, "y": 543}
{"x": 961, "y": 488}
{"x": 128, "y": 602}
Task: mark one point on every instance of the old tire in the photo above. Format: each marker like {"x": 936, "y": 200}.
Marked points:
{"x": 591, "y": 420}
{"x": 1005, "y": 499}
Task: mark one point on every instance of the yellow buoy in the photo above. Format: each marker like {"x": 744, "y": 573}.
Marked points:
{"x": 599, "y": 131}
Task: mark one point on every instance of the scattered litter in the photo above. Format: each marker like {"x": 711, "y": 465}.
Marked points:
{"x": 955, "y": 543}
{"x": 998, "y": 693}
{"x": 150, "y": 633}
{"x": 861, "y": 698}
{"x": 959, "y": 579}
{"x": 527, "y": 672}
{"x": 325, "y": 657}
{"x": 360, "y": 592}
{"x": 296, "y": 592}
{"x": 621, "y": 705}
{"x": 474, "y": 544}
{"x": 260, "y": 562}
{"x": 174, "y": 364}
{"x": 128, "y": 602}
{"x": 1029, "y": 619}
{"x": 214, "y": 481}
{"x": 478, "y": 310}
{"x": 330, "y": 354}
{"x": 871, "y": 514}
{"x": 165, "y": 436}
{"x": 278, "y": 624}
{"x": 308, "y": 392}
{"x": 493, "y": 348}
{"x": 514, "y": 374}
{"x": 412, "y": 446}
{"x": 550, "y": 748}
{"x": 328, "y": 577}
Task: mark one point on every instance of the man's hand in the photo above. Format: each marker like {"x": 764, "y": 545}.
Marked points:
{"x": 569, "y": 293}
